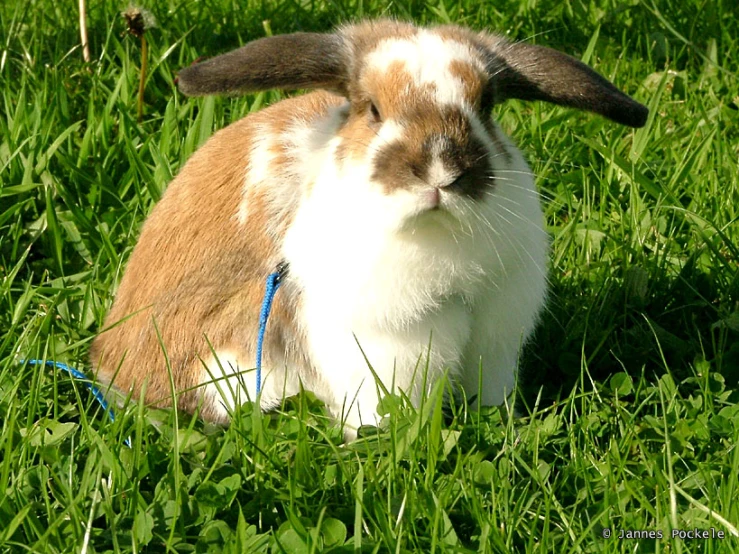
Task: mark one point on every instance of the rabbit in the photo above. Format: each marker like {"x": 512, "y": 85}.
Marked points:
{"x": 409, "y": 222}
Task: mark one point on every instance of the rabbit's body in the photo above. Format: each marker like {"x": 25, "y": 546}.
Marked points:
{"x": 199, "y": 268}
{"x": 410, "y": 223}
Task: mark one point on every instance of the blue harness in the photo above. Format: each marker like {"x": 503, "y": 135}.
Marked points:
{"x": 273, "y": 283}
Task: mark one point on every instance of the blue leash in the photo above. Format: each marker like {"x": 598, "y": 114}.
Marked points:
{"x": 82, "y": 377}
{"x": 273, "y": 283}
{"x": 77, "y": 374}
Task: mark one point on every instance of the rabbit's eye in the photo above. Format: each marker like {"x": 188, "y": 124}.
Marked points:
{"x": 375, "y": 113}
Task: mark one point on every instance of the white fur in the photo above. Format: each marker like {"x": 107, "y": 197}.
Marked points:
{"x": 230, "y": 381}
{"x": 439, "y": 176}
{"x": 305, "y": 141}
{"x": 228, "y": 385}
{"x": 261, "y": 160}
{"x": 383, "y": 279}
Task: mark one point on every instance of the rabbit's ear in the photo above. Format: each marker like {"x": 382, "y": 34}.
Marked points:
{"x": 299, "y": 60}
{"x": 530, "y": 72}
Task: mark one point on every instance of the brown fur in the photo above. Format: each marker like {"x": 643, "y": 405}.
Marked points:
{"x": 357, "y": 133}
{"x": 473, "y": 82}
{"x": 398, "y": 162}
{"x": 393, "y": 91}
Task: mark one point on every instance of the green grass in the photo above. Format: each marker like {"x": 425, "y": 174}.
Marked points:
{"x": 630, "y": 387}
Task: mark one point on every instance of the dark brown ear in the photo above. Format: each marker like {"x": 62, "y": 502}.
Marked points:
{"x": 530, "y": 72}
{"x": 299, "y": 60}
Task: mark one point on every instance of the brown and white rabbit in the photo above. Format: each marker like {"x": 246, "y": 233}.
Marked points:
{"x": 411, "y": 225}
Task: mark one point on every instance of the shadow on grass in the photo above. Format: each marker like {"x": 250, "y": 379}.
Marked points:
{"x": 634, "y": 322}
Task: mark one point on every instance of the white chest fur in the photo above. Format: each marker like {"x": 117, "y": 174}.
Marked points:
{"x": 436, "y": 293}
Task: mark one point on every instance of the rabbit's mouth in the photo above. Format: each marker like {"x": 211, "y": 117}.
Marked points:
{"x": 441, "y": 198}
{"x": 432, "y": 199}
{"x": 429, "y": 200}
{"x": 433, "y": 208}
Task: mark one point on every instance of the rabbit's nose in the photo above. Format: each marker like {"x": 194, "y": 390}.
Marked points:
{"x": 440, "y": 175}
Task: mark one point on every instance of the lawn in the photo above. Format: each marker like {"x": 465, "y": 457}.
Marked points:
{"x": 628, "y": 391}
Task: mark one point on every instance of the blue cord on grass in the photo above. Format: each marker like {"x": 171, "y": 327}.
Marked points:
{"x": 273, "y": 283}
{"x": 77, "y": 374}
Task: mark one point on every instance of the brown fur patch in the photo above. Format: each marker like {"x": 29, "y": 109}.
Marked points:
{"x": 395, "y": 95}
{"x": 356, "y": 134}
{"x": 473, "y": 82}
{"x": 442, "y": 131}
{"x": 394, "y": 90}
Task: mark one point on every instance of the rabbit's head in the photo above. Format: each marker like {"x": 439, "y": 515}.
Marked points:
{"x": 417, "y": 122}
